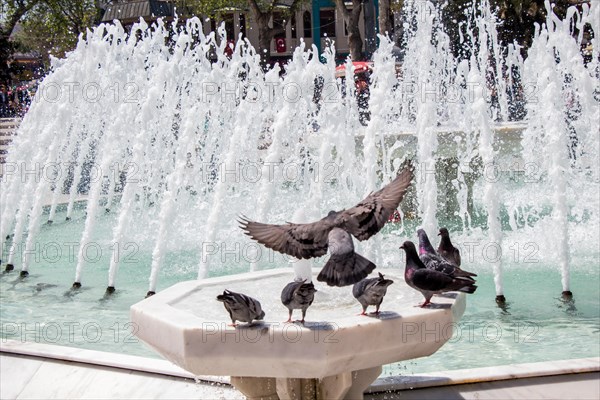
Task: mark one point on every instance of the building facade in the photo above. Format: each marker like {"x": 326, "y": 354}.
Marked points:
{"x": 317, "y": 22}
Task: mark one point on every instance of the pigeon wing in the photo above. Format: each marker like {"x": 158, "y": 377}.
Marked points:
{"x": 256, "y": 311}
{"x": 298, "y": 240}
{"x": 437, "y": 263}
{"x": 457, "y": 257}
{"x": 431, "y": 280}
{"x": 370, "y": 215}
{"x": 287, "y": 294}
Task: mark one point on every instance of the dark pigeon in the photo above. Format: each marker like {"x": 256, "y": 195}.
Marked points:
{"x": 298, "y": 295}
{"x": 430, "y": 281}
{"x": 334, "y": 233}
{"x": 434, "y": 261}
{"x": 370, "y": 292}
{"x": 446, "y": 249}
{"x": 241, "y": 307}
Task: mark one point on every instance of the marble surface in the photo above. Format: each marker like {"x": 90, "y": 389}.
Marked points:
{"x": 487, "y": 374}
{"x": 35, "y": 377}
{"x": 582, "y": 386}
{"x": 25, "y": 377}
{"x": 186, "y": 325}
{"x": 102, "y": 358}
{"x": 35, "y": 370}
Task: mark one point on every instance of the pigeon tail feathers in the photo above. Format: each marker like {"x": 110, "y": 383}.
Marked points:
{"x": 346, "y": 270}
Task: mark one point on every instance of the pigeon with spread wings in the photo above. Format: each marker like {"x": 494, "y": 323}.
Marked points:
{"x": 334, "y": 233}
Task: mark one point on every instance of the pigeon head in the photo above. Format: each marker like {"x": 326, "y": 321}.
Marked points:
{"x": 408, "y": 246}
{"x": 411, "y": 251}
{"x": 443, "y": 232}
{"x": 384, "y": 282}
{"x": 424, "y": 243}
{"x": 223, "y": 297}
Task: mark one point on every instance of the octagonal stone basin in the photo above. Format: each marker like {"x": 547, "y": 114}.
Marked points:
{"x": 186, "y": 325}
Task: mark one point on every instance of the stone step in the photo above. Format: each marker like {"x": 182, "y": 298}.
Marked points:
{"x": 8, "y": 129}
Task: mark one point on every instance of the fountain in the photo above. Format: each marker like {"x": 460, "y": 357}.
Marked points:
{"x": 141, "y": 150}
{"x": 335, "y": 354}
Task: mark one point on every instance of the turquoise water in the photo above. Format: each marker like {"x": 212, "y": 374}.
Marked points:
{"x": 537, "y": 325}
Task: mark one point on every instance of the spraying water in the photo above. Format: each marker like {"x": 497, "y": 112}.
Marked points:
{"x": 183, "y": 138}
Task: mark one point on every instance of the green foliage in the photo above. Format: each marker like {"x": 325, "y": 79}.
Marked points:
{"x": 214, "y": 8}
{"x": 53, "y": 26}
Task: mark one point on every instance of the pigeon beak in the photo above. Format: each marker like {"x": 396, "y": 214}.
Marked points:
{"x": 402, "y": 246}
{"x": 439, "y": 233}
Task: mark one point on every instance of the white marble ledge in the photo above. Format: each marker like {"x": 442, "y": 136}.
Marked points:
{"x": 163, "y": 367}
{"x": 486, "y": 374}
{"x": 102, "y": 358}
{"x": 55, "y": 379}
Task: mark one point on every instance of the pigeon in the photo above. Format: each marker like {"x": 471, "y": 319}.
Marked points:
{"x": 241, "y": 307}
{"x": 298, "y": 295}
{"x": 430, "y": 281}
{"x": 370, "y": 292}
{"x": 446, "y": 249}
{"x": 434, "y": 261}
{"x": 334, "y": 233}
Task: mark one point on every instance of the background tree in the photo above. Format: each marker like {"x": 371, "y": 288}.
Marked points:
{"x": 384, "y": 19}
{"x": 263, "y": 13}
{"x": 11, "y": 12}
{"x": 52, "y": 27}
{"x": 352, "y": 20}
{"x": 517, "y": 19}
{"x": 45, "y": 27}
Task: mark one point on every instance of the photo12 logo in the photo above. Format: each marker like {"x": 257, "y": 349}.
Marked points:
{"x": 271, "y": 332}
{"x": 90, "y": 252}
{"x": 89, "y": 92}
{"x": 68, "y": 332}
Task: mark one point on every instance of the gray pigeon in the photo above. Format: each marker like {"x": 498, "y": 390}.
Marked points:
{"x": 334, "y": 233}
{"x": 434, "y": 261}
{"x": 241, "y": 307}
{"x": 370, "y": 292}
{"x": 430, "y": 281}
{"x": 446, "y": 249}
{"x": 298, "y": 295}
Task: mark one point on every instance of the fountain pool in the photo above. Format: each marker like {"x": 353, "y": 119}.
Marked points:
{"x": 537, "y": 324}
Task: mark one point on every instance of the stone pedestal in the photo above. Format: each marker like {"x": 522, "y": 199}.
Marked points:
{"x": 347, "y": 385}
